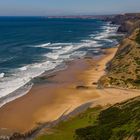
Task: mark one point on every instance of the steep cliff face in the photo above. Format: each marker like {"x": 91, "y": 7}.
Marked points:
{"x": 124, "y": 69}
{"x": 129, "y": 26}
{"x": 128, "y": 22}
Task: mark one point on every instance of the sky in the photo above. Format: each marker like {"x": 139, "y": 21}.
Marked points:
{"x": 66, "y": 7}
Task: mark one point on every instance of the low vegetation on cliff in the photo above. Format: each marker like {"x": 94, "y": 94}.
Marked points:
{"x": 119, "y": 122}
{"x": 66, "y": 130}
{"x": 124, "y": 69}
{"x": 138, "y": 37}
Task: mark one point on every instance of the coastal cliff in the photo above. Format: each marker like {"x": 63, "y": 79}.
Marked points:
{"x": 128, "y": 22}
{"x": 124, "y": 69}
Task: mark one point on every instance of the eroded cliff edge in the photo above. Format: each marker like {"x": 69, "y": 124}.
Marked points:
{"x": 124, "y": 69}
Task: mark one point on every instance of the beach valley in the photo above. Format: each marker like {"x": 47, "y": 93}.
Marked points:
{"x": 88, "y": 97}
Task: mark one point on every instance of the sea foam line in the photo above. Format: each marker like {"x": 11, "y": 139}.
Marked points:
{"x": 16, "y": 94}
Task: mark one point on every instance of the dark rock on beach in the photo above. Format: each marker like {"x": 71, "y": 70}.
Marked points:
{"x": 82, "y": 87}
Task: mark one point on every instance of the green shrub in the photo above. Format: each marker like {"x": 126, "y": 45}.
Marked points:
{"x": 138, "y": 38}
{"x": 114, "y": 123}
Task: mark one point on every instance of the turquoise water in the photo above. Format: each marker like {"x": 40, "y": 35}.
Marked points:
{"x": 30, "y": 46}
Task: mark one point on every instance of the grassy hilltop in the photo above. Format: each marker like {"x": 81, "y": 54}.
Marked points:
{"x": 66, "y": 130}
{"x": 119, "y": 122}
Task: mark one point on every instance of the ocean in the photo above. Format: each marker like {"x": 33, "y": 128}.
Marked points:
{"x": 29, "y": 46}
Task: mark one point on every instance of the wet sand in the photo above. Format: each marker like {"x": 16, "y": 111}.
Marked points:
{"x": 64, "y": 91}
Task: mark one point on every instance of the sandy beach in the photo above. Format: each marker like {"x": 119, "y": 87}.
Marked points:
{"x": 64, "y": 91}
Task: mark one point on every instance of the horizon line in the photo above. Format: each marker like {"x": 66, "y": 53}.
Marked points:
{"x": 70, "y": 15}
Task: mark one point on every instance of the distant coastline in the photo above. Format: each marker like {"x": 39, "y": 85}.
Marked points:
{"x": 101, "y": 17}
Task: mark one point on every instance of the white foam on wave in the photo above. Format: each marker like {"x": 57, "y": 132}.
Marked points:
{"x": 17, "y": 94}
{"x": 23, "y": 68}
{"x": 78, "y": 53}
{"x": 56, "y": 53}
{"x": 55, "y": 48}
{"x": 109, "y": 30}
{"x": 21, "y": 78}
{"x": 96, "y": 51}
{"x": 2, "y": 75}
{"x": 52, "y": 55}
{"x": 59, "y": 44}
{"x": 43, "y": 45}
{"x": 68, "y": 49}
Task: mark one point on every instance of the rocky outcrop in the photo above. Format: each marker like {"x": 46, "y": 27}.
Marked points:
{"x": 128, "y": 22}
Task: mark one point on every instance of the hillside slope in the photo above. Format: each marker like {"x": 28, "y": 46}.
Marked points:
{"x": 128, "y": 22}
{"x": 124, "y": 69}
{"x": 119, "y": 122}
